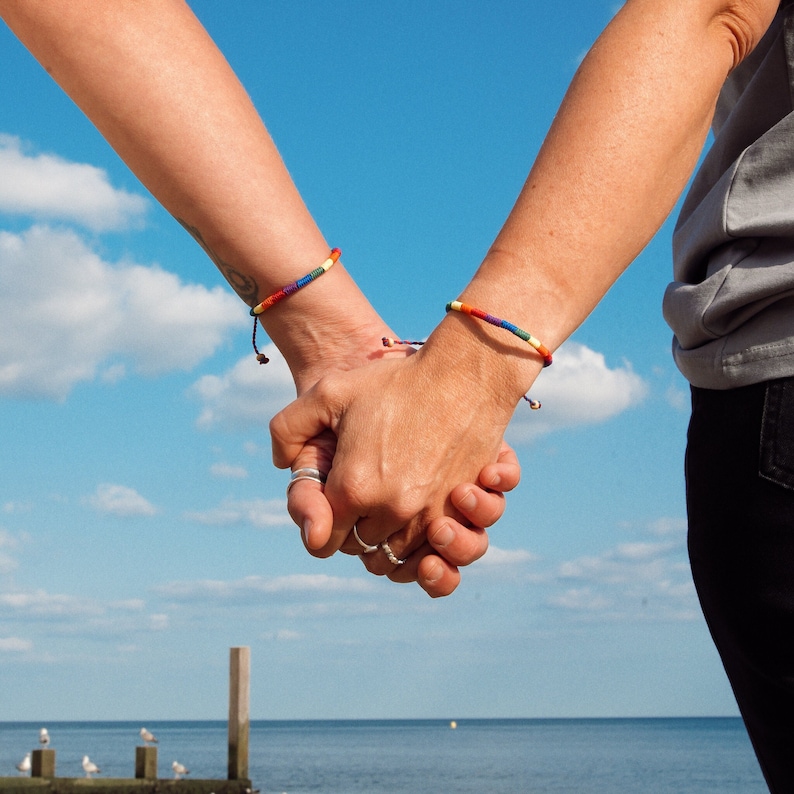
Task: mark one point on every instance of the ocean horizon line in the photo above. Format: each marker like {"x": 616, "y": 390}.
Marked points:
{"x": 459, "y": 720}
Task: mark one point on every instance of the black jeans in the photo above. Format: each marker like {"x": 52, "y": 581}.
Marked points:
{"x": 740, "y": 501}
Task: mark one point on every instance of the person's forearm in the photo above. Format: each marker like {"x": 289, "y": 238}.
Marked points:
{"x": 619, "y": 153}
{"x": 152, "y": 81}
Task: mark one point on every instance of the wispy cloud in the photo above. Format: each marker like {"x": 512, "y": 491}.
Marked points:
{"x": 39, "y": 603}
{"x": 121, "y": 501}
{"x": 259, "y": 513}
{"x": 98, "y": 315}
{"x": 45, "y": 186}
{"x": 254, "y": 587}
{"x": 15, "y": 645}
{"x": 639, "y": 579}
{"x": 227, "y": 471}
{"x": 7, "y": 542}
{"x": 503, "y": 557}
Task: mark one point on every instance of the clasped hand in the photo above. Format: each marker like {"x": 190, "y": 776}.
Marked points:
{"x": 411, "y": 461}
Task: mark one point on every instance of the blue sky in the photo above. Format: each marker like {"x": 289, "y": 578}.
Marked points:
{"x": 143, "y": 529}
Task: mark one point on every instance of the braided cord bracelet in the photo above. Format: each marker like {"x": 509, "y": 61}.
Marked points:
{"x": 285, "y": 292}
{"x": 464, "y": 308}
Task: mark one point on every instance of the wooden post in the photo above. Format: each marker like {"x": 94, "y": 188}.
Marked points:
{"x": 42, "y": 763}
{"x": 239, "y": 718}
{"x": 146, "y": 762}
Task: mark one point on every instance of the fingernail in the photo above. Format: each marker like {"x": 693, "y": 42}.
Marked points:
{"x": 306, "y": 531}
{"x": 443, "y": 536}
{"x": 434, "y": 574}
{"x": 469, "y": 502}
{"x": 495, "y": 481}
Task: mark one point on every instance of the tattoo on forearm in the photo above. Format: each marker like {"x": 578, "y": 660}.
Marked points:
{"x": 243, "y": 285}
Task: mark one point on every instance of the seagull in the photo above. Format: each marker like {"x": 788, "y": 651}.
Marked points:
{"x": 89, "y": 767}
{"x": 147, "y": 737}
{"x": 179, "y": 770}
{"x": 44, "y": 737}
{"x": 24, "y": 765}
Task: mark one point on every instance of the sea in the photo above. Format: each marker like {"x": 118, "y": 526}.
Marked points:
{"x": 498, "y": 756}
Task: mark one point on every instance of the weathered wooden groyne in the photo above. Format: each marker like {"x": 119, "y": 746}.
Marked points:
{"x": 43, "y": 778}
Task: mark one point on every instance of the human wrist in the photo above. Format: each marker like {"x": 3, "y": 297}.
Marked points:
{"x": 327, "y": 327}
{"x": 499, "y": 366}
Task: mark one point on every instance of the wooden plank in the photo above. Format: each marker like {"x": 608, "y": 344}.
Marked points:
{"x": 42, "y": 763}
{"x": 146, "y": 762}
{"x": 239, "y": 711}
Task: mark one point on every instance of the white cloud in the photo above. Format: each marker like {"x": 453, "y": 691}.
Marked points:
{"x": 249, "y": 394}
{"x": 578, "y": 389}
{"x": 647, "y": 579}
{"x": 227, "y": 471}
{"x": 502, "y": 557}
{"x": 15, "y": 645}
{"x": 40, "y": 604}
{"x": 580, "y": 600}
{"x": 254, "y": 587}
{"x": 67, "y": 316}
{"x": 7, "y": 563}
{"x": 663, "y": 527}
{"x": 159, "y": 622}
{"x": 7, "y": 540}
{"x": 259, "y": 513}
{"x": 119, "y": 500}
{"x": 678, "y": 398}
{"x": 45, "y": 186}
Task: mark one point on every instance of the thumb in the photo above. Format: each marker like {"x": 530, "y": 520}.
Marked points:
{"x": 303, "y": 419}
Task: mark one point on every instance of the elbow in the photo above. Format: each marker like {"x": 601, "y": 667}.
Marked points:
{"x": 742, "y": 23}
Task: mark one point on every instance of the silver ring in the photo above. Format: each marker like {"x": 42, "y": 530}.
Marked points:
{"x": 367, "y": 548}
{"x": 315, "y": 475}
{"x": 393, "y": 558}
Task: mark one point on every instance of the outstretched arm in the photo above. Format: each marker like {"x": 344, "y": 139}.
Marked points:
{"x": 618, "y": 155}
{"x": 150, "y": 78}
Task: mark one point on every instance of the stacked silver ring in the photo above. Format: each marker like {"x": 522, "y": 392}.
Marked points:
{"x": 369, "y": 548}
{"x": 315, "y": 475}
{"x": 366, "y": 546}
{"x": 393, "y": 558}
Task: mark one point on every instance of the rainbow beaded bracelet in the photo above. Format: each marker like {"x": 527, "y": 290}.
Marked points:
{"x": 284, "y": 292}
{"x": 464, "y": 308}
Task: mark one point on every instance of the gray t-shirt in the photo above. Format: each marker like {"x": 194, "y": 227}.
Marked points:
{"x": 731, "y": 306}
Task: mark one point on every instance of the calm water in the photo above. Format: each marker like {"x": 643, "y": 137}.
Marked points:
{"x": 652, "y": 756}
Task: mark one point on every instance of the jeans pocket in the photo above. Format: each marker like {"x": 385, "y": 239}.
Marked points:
{"x": 776, "y": 460}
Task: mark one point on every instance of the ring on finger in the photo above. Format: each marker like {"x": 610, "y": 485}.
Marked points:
{"x": 393, "y": 558}
{"x": 368, "y": 549}
{"x": 315, "y": 475}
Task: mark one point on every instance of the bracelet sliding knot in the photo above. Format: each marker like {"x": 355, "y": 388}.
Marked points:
{"x": 285, "y": 292}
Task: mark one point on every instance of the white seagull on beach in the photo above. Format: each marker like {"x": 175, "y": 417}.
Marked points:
{"x": 44, "y": 737}
{"x": 148, "y": 736}
{"x": 89, "y": 767}
{"x": 179, "y": 770}
{"x": 24, "y": 765}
